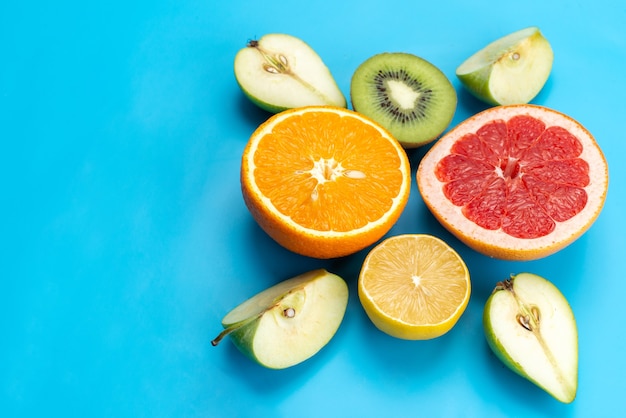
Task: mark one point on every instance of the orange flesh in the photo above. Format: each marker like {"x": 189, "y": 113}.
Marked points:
{"x": 328, "y": 172}
{"x": 516, "y": 176}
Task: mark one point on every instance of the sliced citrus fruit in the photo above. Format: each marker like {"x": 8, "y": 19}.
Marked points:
{"x": 414, "y": 286}
{"x": 516, "y": 182}
{"x": 324, "y": 181}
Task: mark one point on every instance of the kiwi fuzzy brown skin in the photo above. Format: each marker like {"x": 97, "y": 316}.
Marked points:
{"x": 406, "y": 94}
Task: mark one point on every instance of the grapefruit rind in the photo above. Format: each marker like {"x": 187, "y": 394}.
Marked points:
{"x": 496, "y": 243}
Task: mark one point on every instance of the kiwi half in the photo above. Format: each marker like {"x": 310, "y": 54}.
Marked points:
{"x": 406, "y": 94}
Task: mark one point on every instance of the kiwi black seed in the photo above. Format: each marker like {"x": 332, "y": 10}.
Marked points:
{"x": 406, "y": 94}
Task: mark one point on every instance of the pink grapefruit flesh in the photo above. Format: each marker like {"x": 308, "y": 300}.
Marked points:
{"x": 515, "y": 182}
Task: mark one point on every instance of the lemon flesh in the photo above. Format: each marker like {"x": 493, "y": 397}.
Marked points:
{"x": 414, "y": 287}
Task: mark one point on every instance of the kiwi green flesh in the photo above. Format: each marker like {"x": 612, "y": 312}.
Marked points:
{"x": 406, "y": 94}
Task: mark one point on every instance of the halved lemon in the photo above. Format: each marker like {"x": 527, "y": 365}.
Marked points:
{"x": 414, "y": 286}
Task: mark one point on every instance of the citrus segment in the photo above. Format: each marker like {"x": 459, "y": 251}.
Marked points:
{"x": 515, "y": 182}
{"x": 414, "y": 286}
{"x": 324, "y": 181}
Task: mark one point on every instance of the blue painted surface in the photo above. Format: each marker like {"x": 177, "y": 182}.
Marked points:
{"x": 124, "y": 238}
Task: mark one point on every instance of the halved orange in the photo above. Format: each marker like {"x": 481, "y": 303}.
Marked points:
{"x": 515, "y": 182}
{"x": 324, "y": 181}
{"x": 414, "y": 286}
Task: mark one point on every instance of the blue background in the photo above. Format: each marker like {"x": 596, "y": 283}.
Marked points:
{"x": 124, "y": 238}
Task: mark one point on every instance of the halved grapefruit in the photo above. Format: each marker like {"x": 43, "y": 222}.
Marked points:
{"x": 516, "y": 182}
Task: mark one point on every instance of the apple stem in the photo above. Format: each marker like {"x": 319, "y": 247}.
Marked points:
{"x": 230, "y": 329}
{"x": 233, "y": 327}
{"x": 222, "y": 334}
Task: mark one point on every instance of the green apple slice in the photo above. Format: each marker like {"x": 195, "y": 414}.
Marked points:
{"x": 510, "y": 70}
{"x": 290, "y": 321}
{"x": 530, "y": 326}
{"x": 279, "y": 72}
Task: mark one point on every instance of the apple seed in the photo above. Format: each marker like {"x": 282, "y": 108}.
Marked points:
{"x": 276, "y": 63}
{"x": 529, "y": 314}
{"x": 529, "y": 321}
